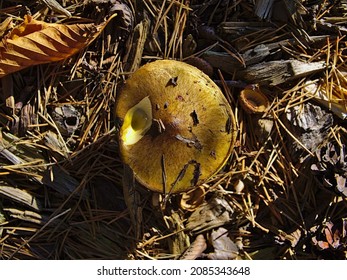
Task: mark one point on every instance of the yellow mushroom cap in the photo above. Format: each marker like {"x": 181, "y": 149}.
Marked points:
{"x": 177, "y": 128}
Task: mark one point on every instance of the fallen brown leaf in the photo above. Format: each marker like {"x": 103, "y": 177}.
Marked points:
{"x": 36, "y": 42}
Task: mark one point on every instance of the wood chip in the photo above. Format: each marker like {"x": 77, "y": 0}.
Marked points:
{"x": 279, "y": 71}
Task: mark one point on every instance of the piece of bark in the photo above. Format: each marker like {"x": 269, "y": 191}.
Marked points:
{"x": 222, "y": 61}
{"x": 28, "y": 119}
{"x": 179, "y": 242}
{"x": 326, "y": 25}
{"x": 211, "y": 214}
{"x": 228, "y": 63}
{"x": 67, "y": 118}
{"x": 56, "y": 145}
{"x": 21, "y": 154}
{"x": 237, "y": 28}
{"x": 279, "y": 71}
{"x": 134, "y": 56}
{"x": 309, "y": 124}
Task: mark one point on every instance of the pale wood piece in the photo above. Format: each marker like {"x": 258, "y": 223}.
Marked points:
{"x": 21, "y": 196}
{"x": 280, "y": 71}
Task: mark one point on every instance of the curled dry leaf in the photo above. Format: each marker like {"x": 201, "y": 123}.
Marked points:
{"x": 191, "y": 199}
{"x": 36, "y": 42}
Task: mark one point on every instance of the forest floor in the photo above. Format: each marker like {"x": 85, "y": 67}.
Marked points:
{"x": 282, "y": 193}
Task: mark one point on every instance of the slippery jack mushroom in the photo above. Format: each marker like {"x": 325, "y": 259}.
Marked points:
{"x": 176, "y": 128}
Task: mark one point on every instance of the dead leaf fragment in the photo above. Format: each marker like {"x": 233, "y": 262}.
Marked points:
{"x": 5, "y": 26}
{"x": 196, "y": 249}
{"x": 36, "y": 42}
{"x": 191, "y": 199}
{"x": 224, "y": 247}
{"x": 332, "y": 237}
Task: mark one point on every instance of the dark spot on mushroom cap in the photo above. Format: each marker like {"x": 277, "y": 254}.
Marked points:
{"x": 196, "y": 174}
{"x": 180, "y": 98}
{"x": 172, "y": 81}
{"x": 195, "y": 118}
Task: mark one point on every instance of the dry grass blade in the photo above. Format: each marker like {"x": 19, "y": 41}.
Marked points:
{"x": 20, "y": 196}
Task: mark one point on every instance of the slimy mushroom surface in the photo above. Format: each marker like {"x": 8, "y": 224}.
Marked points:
{"x": 176, "y": 127}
